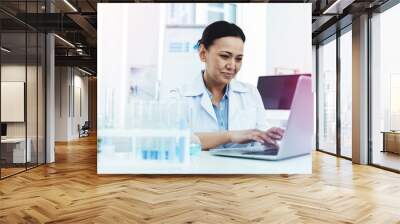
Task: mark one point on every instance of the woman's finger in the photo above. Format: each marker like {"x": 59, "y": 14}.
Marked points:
{"x": 258, "y": 139}
{"x": 280, "y": 131}
{"x": 262, "y": 135}
{"x": 271, "y": 141}
{"x": 276, "y": 130}
{"x": 264, "y": 138}
{"x": 274, "y": 135}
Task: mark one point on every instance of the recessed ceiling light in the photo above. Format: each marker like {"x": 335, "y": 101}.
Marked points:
{"x": 5, "y": 50}
{"x": 86, "y": 72}
{"x": 337, "y": 7}
{"x": 64, "y": 40}
{"x": 70, "y": 5}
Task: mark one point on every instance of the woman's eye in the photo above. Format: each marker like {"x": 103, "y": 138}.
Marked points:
{"x": 224, "y": 56}
{"x": 239, "y": 59}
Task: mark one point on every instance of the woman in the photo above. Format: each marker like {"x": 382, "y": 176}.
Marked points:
{"x": 224, "y": 110}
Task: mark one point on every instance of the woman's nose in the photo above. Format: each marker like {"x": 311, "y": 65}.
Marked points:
{"x": 230, "y": 64}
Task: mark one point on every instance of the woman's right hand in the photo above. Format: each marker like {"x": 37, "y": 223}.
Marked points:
{"x": 246, "y": 136}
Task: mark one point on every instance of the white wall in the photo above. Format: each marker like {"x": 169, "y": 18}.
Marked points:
{"x": 67, "y": 115}
{"x": 183, "y": 65}
{"x": 15, "y": 72}
{"x": 288, "y": 38}
{"x": 125, "y": 41}
{"x": 255, "y": 58}
{"x": 80, "y": 109}
{"x": 61, "y": 103}
{"x": 33, "y": 126}
{"x": 142, "y": 36}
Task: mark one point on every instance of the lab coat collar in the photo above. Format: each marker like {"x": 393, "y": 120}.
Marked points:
{"x": 197, "y": 87}
{"x": 225, "y": 94}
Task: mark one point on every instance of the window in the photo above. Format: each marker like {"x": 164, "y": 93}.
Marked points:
{"x": 200, "y": 13}
{"x": 327, "y": 97}
{"x": 22, "y": 65}
{"x": 346, "y": 94}
{"x": 220, "y": 11}
{"x": 181, "y": 14}
{"x": 385, "y": 89}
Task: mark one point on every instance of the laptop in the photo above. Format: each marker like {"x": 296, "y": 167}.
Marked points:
{"x": 297, "y": 139}
{"x": 270, "y": 88}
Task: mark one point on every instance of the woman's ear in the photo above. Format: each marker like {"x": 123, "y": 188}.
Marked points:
{"x": 202, "y": 53}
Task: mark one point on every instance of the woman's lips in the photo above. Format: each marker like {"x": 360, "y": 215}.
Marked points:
{"x": 227, "y": 75}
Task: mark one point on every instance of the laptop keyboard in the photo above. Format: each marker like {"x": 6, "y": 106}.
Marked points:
{"x": 268, "y": 152}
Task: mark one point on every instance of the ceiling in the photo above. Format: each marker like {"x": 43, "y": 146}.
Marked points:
{"x": 77, "y": 23}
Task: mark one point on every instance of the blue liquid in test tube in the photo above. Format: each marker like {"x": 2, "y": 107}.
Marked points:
{"x": 153, "y": 154}
{"x": 180, "y": 149}
{"x": 144, "y": 154}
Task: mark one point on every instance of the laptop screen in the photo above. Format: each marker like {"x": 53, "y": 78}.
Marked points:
{"x": 277, "y": 91}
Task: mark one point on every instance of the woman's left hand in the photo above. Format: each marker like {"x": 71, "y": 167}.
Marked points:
{"x": 274, "y": 134}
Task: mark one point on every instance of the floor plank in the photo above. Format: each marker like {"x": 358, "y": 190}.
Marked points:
{"x": 70, "y": 191}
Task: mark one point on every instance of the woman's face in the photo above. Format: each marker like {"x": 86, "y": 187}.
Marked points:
{"x": 223, "y": 59}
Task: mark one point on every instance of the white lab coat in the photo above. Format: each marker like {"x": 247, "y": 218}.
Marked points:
{"x": 245, "y": 109}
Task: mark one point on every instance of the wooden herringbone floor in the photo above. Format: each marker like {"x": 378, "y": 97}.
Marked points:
{"x": 70, "y": 191}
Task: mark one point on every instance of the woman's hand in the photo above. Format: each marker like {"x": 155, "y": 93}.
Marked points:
{"x": 268, "y": 137}
{"x": 211, "y": 140}
{"x": 274, "y": 134}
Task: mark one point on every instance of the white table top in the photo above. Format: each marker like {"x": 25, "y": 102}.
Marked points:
{"x": 206, "y": 163}
{"x": 13, "y": 140}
